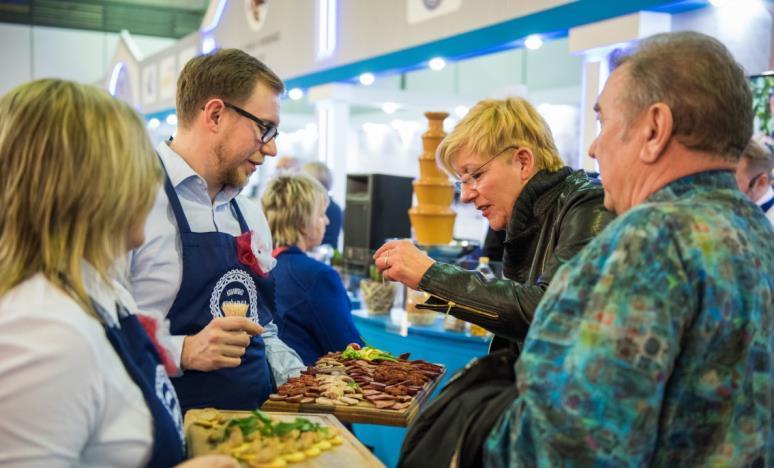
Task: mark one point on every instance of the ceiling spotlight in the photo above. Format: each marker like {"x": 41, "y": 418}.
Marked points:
{"x": 533, "y": 42}
{"x": 172, "y": 119}
{"x": 295, "y": 94}
{"x": 437, "y": 63}
{"x": 367, "y": 79}
{"x": 390, "y": 107}
{"x": 208, "y": 45}
{"x": 154, "y": 123}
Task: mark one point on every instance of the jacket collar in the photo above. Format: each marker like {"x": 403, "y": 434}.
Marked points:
{"x": 292, "y": 249}
{"x": 532, "y": 203}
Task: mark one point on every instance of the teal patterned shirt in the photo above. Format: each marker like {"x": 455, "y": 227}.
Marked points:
{"x": 653, "y": 345}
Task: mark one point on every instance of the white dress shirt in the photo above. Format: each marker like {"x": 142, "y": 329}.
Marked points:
{"x": 66, "y": 398}
{"x": 156, "y": 267}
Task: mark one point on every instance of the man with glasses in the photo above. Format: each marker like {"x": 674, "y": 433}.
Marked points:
{"x": 508, "y": 166}
{"x": 206, "y": 258}
{"x": 753, "y": 175}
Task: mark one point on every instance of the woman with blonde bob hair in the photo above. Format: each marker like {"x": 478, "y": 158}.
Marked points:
{"x": 313, "y": 309}
{"x": 83, "y": 383}
{"x": 504, "y": 157}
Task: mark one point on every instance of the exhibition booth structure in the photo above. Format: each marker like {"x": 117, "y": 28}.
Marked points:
{"x": 367, "y": 80}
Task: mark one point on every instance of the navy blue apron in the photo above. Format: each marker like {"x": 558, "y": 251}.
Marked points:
{"x": 212, "y": 275}
{"x": 765, "y": 207}
{"x": 143, "y": 364}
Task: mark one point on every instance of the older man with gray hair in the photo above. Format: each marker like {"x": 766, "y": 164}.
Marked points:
{"x": 653, "y": 346}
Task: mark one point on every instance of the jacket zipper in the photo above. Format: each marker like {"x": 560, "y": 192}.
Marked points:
{"x": 450, "y": 304}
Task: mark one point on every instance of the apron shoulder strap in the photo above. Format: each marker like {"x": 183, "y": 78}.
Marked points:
{"x": 174, "y": 201}
{"x": 104, "y": 316}
{"x": 242, "y": 223}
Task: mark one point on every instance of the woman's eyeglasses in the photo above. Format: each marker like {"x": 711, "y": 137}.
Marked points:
{"x": 471, "y": 179}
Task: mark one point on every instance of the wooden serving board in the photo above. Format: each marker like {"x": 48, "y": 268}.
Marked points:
{"x": 363, "y": 412}
{"x": 351, "y": 453}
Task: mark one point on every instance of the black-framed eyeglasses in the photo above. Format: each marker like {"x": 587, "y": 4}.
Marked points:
{"x": 472, "y": 178}
{"x": 269, "y": 130}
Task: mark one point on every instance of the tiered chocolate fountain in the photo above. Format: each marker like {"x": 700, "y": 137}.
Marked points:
{"x": 433, "y": 217}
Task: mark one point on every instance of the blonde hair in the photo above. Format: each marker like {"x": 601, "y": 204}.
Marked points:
{"x": 77, "y": 173}
{"x": 289, "y": 202}
{"x": 492, "y": 125}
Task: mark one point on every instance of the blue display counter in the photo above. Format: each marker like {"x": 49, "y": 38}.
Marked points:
{"x": 432, "y": 343}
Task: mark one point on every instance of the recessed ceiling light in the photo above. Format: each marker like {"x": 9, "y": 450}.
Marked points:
{"x": 295, "y": 94}
{"x": 533, "y": 42}
{"x": 367, "y": 79}
{"x": 437, "y": 63}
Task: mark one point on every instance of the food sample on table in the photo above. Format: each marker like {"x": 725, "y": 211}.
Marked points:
{"x": 259, "y": 441}
{"x": 234, "y": 309}
{"x": 360, "y": 377}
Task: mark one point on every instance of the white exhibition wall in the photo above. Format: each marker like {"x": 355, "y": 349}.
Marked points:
{"x": 32, "y": 52}
{"x": 390, "y": 143}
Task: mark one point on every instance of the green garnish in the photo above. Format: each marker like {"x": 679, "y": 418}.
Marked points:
{"x": 368, "y": 353}
{"x": 260, "y": 422}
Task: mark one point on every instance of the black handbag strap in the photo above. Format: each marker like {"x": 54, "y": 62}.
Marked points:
{"x": 483, "y": 379}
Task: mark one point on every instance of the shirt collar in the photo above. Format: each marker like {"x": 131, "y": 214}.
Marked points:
{"x": 180, "y": 173}
{"x": 695, "y": 184}
{"x": 99, "y": 292}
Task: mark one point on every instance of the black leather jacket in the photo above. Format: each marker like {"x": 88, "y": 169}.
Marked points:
{"x": 555, "y": 216}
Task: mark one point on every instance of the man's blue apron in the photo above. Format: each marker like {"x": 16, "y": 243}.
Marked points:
{"x": 143, "y": 364}
{"x": 212, "y": 275}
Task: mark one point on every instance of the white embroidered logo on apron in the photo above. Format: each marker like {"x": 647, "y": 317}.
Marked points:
{"x": 234, "y": 289}
{"x": 165, "y": 392}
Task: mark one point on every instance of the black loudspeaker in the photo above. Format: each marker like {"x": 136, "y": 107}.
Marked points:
{"x": 376, "y": 209}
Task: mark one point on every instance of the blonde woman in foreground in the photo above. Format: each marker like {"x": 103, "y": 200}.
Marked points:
{"x": 83, "y": 384}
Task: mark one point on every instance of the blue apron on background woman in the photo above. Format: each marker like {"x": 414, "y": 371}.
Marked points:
{"x": 212, "y": 275}
{"x": 143, "y": 364}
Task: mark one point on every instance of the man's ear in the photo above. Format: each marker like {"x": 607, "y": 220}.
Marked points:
{"x": 212, "y": 112}
{"x": 656, "y": 125}
{"x": 526, "y": 160}
{"x": 762, "y": 182}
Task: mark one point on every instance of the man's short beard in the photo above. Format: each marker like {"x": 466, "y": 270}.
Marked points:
{"x": 228, "y": 176}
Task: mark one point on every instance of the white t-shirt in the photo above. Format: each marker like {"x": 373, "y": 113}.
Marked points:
{"x": 66, "y": 398}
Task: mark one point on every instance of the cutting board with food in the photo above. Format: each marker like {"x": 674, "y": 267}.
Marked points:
{"x": 272, "y": 440}
{"x": 360, "y": 386}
